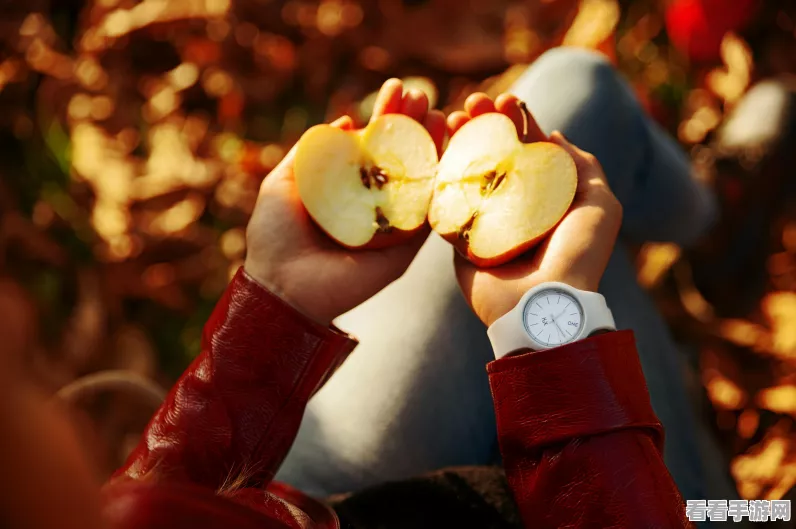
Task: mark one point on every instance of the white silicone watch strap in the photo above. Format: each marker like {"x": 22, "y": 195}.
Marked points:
{"x": 507, "y": 334}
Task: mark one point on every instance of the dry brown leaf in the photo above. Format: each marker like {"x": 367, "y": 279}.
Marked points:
{"x": 655, "y": 260}
{"x": 731, "y": 82}
{"x": 780, "y": 309}
{"x": 594, "y": 25}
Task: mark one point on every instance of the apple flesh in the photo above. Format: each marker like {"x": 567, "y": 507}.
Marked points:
{"x": 369, "y": 188}
{"x": 496, "y": 197}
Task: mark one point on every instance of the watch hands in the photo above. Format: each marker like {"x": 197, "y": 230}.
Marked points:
{"x": 560, "y": 314}
{"x": 559, "y": 329}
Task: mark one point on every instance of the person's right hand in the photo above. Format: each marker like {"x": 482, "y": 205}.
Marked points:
{"x": 290, "y": 256}
{"x": 576, "y": 252}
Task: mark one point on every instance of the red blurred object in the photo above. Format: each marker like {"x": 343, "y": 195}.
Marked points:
{"x": 696, "y": 27}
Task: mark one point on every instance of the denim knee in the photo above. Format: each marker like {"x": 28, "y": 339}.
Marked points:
{"x": 574, "y": 64}
{"x": 572, "y": 76}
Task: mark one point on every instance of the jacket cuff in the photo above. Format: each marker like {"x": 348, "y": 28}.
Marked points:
{"x": 251, "y": 309}
{"x": 586, "y": 388}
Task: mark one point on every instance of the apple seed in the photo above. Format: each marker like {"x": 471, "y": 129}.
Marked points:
{"x": 363, "y": 176}
{"x": 375, "y": 176}
{"x": 381, "y": 220}
{"x": 498, "y": 180}
{"x": 464, "y": 231}
{"x": 488, "y": 177}
{"x": 379, "y": 176}
{"x": 492, "y": 181}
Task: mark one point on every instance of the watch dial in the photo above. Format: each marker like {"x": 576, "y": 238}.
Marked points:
{"x": 553, "y": 317}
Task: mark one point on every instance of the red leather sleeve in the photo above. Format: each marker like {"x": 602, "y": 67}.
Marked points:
{"x": 581, "y": 444}
{"x": 234, "y": 413}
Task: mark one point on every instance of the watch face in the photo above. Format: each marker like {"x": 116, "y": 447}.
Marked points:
{"x": 553, "y": 317}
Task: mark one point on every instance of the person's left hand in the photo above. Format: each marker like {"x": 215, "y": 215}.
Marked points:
{"x": 575, "y": 252}
{"x": 294, "y": 259}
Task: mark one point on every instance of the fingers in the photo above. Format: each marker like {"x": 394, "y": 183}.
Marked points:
{"x": 527, "y": 128}
{"x": 509, "y": 105}
{"x": 593, "y": 188}
{"x": 390, "y": 98}
{"x": 578, "y": 249}
{"x": 477, "y": 104}
{"x": 436, "y": 127}
{"x": 414, "y": 104}
{"x": 279, "y": 171}
{"x": 393, "y": 100}
{"x": 343, "y": 123}
{"x": 590, "y": 172}
{"x": 456, "y": 120}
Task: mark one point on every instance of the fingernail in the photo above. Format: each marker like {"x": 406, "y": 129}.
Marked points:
{"x": 342, "y": 121}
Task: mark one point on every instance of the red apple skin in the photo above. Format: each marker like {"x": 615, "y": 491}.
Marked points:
{"x": 463, "y": 248}
{"x": 503, "y": 258}
{"x": 379, "y": 240}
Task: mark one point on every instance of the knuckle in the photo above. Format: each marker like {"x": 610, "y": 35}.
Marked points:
{"x": 614, "y": 208}
{"x": 591, "y": 160}
{"x": 606, "y": 201}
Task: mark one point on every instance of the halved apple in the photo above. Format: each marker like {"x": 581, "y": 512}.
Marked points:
{"x": 369, "y": 188}
{"x": 496, "y": 197}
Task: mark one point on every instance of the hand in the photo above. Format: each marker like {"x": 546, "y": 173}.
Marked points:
{"x": 576, "y": 252}
{"x": 295, "y": 260}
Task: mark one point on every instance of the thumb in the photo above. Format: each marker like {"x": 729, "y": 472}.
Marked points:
{"x": 586, "y": 162}
{"x": 590, "y": 172}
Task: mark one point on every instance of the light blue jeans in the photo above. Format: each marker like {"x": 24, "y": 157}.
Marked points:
{"x": 414, "y": 396}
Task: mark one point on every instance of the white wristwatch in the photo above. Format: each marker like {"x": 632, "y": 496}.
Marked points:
{"x": 550, "y": 315}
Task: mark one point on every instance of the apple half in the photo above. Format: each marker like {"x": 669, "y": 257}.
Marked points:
{"x": 369, "y": 188}
{"x": 496, "y": 197}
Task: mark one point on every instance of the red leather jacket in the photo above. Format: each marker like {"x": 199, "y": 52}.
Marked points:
{"x": 581, "y": 445}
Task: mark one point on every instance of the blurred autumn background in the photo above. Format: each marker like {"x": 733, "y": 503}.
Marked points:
{"x": 135, "y": 135}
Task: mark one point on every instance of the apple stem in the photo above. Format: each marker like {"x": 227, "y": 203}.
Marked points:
{"x": 525, "y": 121}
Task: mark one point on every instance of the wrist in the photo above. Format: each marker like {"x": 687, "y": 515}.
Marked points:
{"x": 548, "y": 315}
{"x": 270, "y": 280}
{"x": 500, "y": 305}
{"x": 586, "y": 281}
